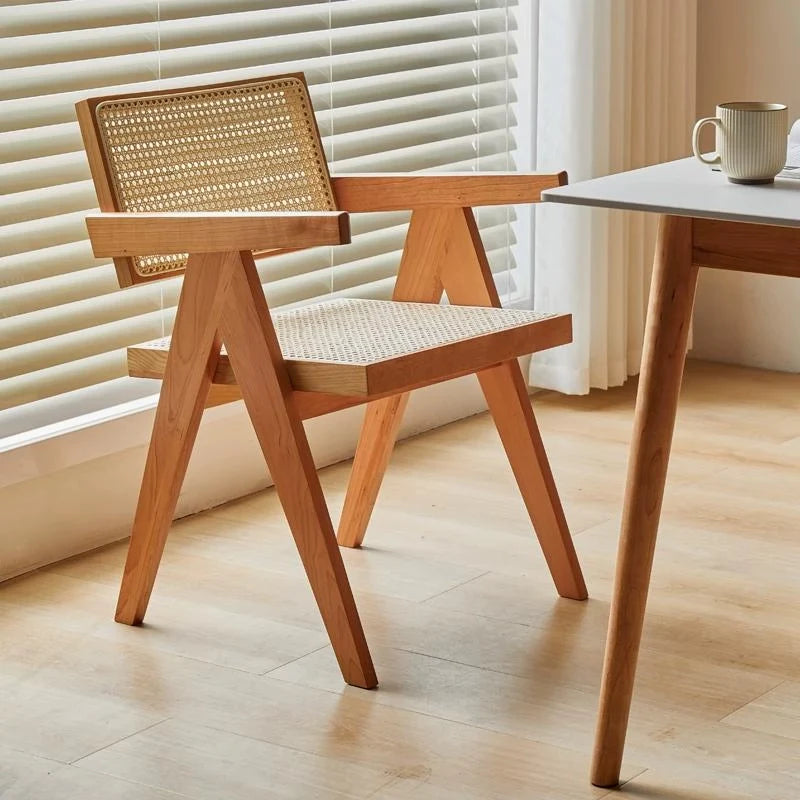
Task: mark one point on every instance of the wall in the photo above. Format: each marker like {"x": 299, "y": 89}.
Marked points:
{"x": 748, "y": 50}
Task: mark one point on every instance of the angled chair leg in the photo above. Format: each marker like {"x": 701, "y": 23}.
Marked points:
{"x": 468, "y": 280}
{"x": 507, "y": 397}
{"x": 417, "y": 281}
{"x": 375, "y": 444}
{"x": 190, "y": 367}
{"x": 256, "y": 358}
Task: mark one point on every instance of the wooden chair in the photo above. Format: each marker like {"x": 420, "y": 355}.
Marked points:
{"x": 195, "y": 181}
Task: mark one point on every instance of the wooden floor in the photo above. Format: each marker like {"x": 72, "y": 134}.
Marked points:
{"x": 488, "y": 681}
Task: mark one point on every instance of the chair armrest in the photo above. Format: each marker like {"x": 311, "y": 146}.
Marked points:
{"x": 147, "y": 234}
{"x": 398, "y": 192}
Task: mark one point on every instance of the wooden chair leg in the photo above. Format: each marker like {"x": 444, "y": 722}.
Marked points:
{"x": 507, "y": 397}
{"x": 468, "y": 280}
{"x": 417, "y": 281}
{"x": 668, "y": 319}
{"x": 256, "y": 358}
{"x": 190, "y": 366}
{"x": 375, "y": 444}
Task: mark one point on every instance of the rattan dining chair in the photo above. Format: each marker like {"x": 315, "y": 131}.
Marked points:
{"x": 195, "y": 181}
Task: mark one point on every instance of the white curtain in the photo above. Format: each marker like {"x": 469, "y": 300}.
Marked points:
{"x": 616, "y": 91}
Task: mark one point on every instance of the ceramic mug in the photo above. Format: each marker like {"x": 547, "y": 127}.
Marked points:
{"x": 751, "y": 140}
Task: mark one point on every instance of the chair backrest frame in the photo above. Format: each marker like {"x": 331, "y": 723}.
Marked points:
{"x": 311, "y": 187}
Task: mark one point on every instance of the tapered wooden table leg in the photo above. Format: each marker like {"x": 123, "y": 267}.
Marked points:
{"x": 668, "y": 319}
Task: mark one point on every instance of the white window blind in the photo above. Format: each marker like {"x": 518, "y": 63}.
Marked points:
{"x": 398, "y": 85}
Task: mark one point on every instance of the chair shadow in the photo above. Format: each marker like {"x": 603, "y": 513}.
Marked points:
{"x": 631, "y": 790}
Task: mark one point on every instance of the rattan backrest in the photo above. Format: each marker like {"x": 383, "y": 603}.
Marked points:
{"x": 246, "y": 146}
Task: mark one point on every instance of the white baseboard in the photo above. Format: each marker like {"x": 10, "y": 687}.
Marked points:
{"x": 66, "y": 496}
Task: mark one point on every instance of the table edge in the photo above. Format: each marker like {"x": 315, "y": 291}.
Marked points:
{"x": 557, "y": 196}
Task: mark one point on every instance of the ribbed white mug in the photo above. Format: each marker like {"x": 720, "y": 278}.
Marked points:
{"x": 751, "y": 140}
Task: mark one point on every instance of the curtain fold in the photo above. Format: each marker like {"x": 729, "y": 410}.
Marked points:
{"x": 616, "y": 92}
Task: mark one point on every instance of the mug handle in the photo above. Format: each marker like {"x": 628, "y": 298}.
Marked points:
{"x": 696, "y": 140}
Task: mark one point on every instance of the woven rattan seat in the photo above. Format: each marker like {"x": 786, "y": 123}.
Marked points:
{"x": 196, "y": 181}
{"x": 366, "y": 347}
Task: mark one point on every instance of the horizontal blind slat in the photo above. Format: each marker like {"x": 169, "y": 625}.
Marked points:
{"x": 59, "y": 290}
{"x": 50, "y": 140}
{"x": 106, "y": 397}
{"x": 52, "y": 109}
{"x": 70, "y": 15}
{"x": 23, "y": 175}
{"x": 62, "y": 378}
{"x": 162, "y": 62}
{"x": 34, "y": 265}
{"x": 58, "y": 139}
{"x": 426, "y": 156}
{"x": 418, "y": 133}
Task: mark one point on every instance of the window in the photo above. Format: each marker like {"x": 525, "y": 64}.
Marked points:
{"x": 398, "y": 85}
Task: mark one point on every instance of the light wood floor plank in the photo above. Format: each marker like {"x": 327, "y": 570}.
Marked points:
{"x": 775, "y": 712}
{"x": 26, "y": 777}
{"x": 652, "y": 785}
{"x": 225, "y": 637}
{"x": 209, "y": 764}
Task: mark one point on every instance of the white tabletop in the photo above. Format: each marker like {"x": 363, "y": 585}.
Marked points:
{"x": 687, "y": 188}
